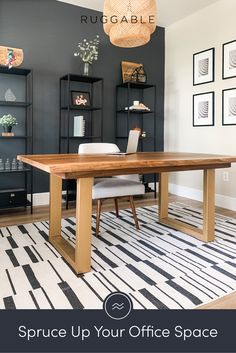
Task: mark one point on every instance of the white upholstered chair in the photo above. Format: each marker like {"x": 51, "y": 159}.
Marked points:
{"x": 115, "y": 187}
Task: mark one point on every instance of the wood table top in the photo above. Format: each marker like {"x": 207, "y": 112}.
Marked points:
{"x": 72, "y": 166}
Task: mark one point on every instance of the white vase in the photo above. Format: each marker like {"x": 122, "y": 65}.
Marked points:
{"x": 87, "y": 69}
{"x": 9, "y": 96}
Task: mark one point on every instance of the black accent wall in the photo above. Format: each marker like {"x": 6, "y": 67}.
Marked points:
{"x": 48, "y": 31}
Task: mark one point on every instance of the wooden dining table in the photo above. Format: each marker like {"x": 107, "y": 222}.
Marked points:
{"x": 84, "y": 168}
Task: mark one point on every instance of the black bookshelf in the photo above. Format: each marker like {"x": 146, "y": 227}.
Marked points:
{"x": 17, "y": 185}
{"x": 127, "y": 119}
{"x": 93, "y": 115}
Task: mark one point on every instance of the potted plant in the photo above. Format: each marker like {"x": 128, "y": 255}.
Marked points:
{"x": 8, "y": 121}
{"x": 88, "y": 52}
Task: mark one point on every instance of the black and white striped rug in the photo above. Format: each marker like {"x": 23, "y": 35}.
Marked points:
{"x": 159, "y": 268}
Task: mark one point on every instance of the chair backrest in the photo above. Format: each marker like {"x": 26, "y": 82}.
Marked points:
{"x": 98, "y": 148}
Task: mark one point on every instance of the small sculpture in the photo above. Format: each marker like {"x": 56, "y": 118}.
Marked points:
{"x": 9, "y": 96}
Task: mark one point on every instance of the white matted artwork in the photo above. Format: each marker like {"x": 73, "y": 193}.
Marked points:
{"x": 204, "y": 67}
{"x": 229, "y": 60}
{"x": 203, "y": 109}
{"x": 229, "y": 106}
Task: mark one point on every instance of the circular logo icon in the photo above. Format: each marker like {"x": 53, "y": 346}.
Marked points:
{"x": 118, "y": 305}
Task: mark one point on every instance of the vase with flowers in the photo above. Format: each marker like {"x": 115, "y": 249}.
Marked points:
{"x": 88, "y": 52}
{"x": 8, "y": 121}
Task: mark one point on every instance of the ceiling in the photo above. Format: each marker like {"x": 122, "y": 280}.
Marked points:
{"x": 169, "y": 11}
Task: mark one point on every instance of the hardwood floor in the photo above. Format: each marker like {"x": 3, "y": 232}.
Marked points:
{"x": 13, "y": 217}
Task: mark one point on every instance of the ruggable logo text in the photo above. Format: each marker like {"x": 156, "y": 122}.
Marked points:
{"x": 117, "y": 19}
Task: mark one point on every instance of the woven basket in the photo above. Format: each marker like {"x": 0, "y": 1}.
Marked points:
{"x": 18, "y": 56}
{"x": 129, "y": 34}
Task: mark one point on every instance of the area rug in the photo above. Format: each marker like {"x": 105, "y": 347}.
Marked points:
{"x": 159, "y": 268}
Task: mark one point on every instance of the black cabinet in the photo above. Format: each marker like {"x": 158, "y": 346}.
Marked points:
{"x": 146, "y": 121}
{"x": 13, "y": 198}
{"x": 80, "y": 96}
{"x": 16, "y": 185}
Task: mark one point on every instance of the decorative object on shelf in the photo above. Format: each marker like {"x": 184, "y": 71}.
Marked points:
{"x": 133, "y": 72}
{"x": 7, "y": 164}
{"x": 80, "y": 98}
{"x": 88, "y": 52}
{"x": 130, "y": 23}
{"x": 139, "y": 75}
{"x": 9, "y": 96}
{"x": 20, "y": 165}
{"x": 144, "y": 134}
{"x": 11, "y": 57}
{"x": 229, "y": 106}
{"x": 138, "y": 107}
{"x": 229, "y": 60}
{"x": 203, "y": 109}
{"x": 8, "y": 121}
{"x": 204, "y": 67}
{"x": 79, "y": 126}
{"x": 2, "y": 166}
{"x": 14, "y": 164}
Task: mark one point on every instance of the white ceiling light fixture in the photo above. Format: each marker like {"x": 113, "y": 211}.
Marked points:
{"x": 129, "y": 23}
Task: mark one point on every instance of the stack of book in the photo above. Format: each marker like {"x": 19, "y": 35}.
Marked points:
{"x": 79, "y": 126}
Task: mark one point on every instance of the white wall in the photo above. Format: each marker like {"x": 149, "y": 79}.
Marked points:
{"x": 209, "y": 27}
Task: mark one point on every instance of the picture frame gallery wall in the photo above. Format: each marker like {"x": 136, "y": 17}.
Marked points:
{"x": 203, "y": 103}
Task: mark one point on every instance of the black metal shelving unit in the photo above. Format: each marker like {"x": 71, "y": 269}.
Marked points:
{"x": 17, "y": 185}
{"x": 93, "y": 116}
{"x": 127, "y": 119}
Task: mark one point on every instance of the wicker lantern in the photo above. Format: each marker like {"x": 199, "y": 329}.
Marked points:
{"x": 130, "y": 23}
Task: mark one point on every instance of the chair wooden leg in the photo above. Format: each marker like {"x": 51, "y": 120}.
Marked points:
{"x": 116, "y": 207}
{"x": 99, "y": 208}
{"x": 131, "y": 200}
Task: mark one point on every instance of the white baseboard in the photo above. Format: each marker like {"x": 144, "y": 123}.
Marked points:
{"x": 228, "y": 202}
{"x": 41, "y": 199}
{"x": 196, "y": 194}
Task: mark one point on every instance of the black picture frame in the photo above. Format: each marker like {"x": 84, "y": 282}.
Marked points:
{"x": 225, "y": 56}
{"x": 210, "y": 66}
{"x": 80, "y": 99}
{"x": 211, "y": 115}
{"x": 224, "y": 92}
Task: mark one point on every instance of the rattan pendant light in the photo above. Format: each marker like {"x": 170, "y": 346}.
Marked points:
{"x": 130, "y": 23}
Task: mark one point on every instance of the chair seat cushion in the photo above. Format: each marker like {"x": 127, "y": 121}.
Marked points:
{"x": 114, "y": 187}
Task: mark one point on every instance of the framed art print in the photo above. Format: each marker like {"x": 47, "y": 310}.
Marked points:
{"x": 203, "y": 109}
{"x": 229, "y": 106}
{"x": 229, "y": 60}
{"x": 204, "y": 67}
{"x": 80, "y": 98}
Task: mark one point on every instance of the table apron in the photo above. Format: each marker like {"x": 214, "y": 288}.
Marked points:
{"x": 138, "y": 170}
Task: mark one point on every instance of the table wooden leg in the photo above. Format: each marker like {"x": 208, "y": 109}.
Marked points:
{"x": 80, "y": 257}
{"x": 83, "y": 225}
{"x": 163, "y": 195}
{"x": 206, "y": 234}
{"x": 209, "y": 205}
{"x": 55, "y": 206}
